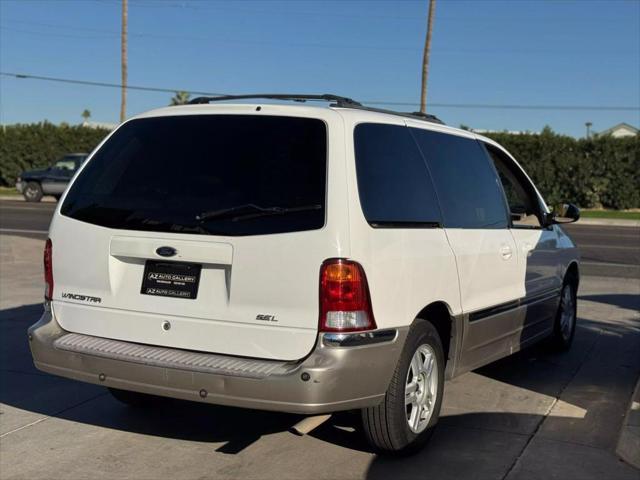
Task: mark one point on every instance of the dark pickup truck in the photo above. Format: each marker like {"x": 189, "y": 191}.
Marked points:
{"x": 34, "y": 184}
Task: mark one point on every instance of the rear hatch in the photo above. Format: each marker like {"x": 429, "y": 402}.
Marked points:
{"x": 200, "y": 232}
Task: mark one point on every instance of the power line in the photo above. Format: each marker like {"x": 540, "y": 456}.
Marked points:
{"x": 103, "y": 84}
{"x": 370, "y": 102}
{"x": 216, "y": 7}
{"x": 498, "y": 106}
{"x": 98, "y": 33}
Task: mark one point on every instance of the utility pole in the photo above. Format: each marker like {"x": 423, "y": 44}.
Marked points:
{"x": 123, "y": 52}
{"x": 425, "y": 57}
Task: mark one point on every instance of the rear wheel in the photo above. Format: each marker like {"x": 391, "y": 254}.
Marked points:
{"x": 565, "y": 324}
{"x": 32, "y": 192}
{"x": 132, "y": 399}
{"x": 405, "y": 419}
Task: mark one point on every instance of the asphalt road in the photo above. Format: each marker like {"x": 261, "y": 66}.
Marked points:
{"x": 533, "y": 415}
{"x": 607, "y": 244}
{"x": 25, "y": 218}
{"x": 606, "y": 250}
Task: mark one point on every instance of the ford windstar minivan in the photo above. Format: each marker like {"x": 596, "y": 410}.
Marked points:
{"x": 297, "y": 258}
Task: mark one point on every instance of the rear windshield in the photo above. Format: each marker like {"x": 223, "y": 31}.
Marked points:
{"x": 206, "y": 174}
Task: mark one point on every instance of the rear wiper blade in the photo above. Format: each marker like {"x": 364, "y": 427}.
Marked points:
{"x": 224, "y": 211}
{"x": 259, "y": 211}
{"x": 276, "y": 211}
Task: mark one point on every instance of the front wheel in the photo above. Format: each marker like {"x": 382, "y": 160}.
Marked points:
{"x": 564, "y": 327}
{"x": 406, "y": 418}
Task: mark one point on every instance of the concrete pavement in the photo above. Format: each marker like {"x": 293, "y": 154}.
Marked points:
{"x": 533, "y": 415}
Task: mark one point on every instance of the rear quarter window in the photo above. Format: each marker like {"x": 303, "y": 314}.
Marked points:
{"x": 393, "y": 181}
{"x": 466, "y": 183}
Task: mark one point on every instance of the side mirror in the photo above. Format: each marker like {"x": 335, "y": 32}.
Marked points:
{"x": 567, "y": 213}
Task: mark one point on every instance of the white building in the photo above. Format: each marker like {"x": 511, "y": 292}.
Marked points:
{"x": 108, "y": 126}
{"x": 483, "y": 131}
{"x": 620, "y": 130}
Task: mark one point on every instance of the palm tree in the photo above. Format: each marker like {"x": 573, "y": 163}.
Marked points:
{"x": 180, "y": 98}
{"x": 425, "y": 56}
{"x": 86, "y": 115}
{"x": 123, "y": 52}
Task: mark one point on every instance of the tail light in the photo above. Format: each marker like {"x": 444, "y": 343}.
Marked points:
{"x": 345, "y": 303}
{"x": 48, "y": 270}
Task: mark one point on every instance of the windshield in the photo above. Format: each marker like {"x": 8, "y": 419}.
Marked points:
{"x": 161, "y": 174}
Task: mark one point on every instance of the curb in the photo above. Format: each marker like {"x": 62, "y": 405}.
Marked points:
{"x": 629, "y": 443}
{"x": 602, "y": 269}
{"x": 612, "y": 222}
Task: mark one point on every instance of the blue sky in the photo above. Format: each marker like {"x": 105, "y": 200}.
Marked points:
{"x": 483, "y": 52}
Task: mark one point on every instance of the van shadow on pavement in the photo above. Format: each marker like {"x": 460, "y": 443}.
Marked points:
{"x": 574, "y": 440}
{"x": 460, "y": 438}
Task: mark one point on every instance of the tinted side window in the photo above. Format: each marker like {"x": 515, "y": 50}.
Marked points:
{"x": 468, "y": 188}
{"x": 393, "y": 180}
{"x": 523, "y": 202}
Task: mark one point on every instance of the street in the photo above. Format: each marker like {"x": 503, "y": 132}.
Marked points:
{"x": 606, "y": 250}
{"x": 534, "y": 415}
{"x": 29, "y": 219}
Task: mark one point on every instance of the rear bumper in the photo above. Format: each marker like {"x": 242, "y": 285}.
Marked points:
{"x": 338, "y": 377}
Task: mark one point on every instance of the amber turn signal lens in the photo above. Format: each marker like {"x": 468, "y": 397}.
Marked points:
{"x": 345, "y": 302}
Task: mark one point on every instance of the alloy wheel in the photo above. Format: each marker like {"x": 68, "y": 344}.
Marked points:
{"x": 567, "y": 312}
{"x": 421, "y": 388}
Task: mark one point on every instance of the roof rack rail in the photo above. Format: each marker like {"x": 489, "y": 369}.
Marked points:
{"x": 339, "y": 101}
{"x": 428, "y": 117}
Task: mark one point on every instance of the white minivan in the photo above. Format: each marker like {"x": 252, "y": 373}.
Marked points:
{"x": 302, "y": 259}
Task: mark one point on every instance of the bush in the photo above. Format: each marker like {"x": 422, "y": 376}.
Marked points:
{"x": 598, "y": 172}
{"x": 601, "y": 172}
{"x": 25, "y": 147}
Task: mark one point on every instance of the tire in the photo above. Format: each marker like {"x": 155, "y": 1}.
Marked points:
{"x": 564, "y": 327}
{"x": 386, "y": 425}
{"x": 132, "y": 399}
{"x": 32, "y": 192}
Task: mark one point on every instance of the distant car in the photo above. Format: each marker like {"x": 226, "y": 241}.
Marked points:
{"x": 34, "y": 184}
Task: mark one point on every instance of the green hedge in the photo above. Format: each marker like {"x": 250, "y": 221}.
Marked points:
{"x": 599, "y": 172}
{"x": 29, "y": 146}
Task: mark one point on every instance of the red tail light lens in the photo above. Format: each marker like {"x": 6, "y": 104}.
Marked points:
{"x": 48, "y": 270}
{"x": 345, "y": 303}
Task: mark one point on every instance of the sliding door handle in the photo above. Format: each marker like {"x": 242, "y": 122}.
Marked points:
{"x": 506, "y": 252}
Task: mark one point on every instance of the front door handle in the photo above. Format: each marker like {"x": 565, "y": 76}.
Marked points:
{"x": 527, "y": 248}
{"x": 506, "y": 252}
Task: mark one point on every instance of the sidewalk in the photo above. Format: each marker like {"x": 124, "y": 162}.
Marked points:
{"x": 20, "y": 198}
{"x": 612, "y": 222}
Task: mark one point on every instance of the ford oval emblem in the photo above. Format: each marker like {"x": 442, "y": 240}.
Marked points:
{"x": 166, "y": 251}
